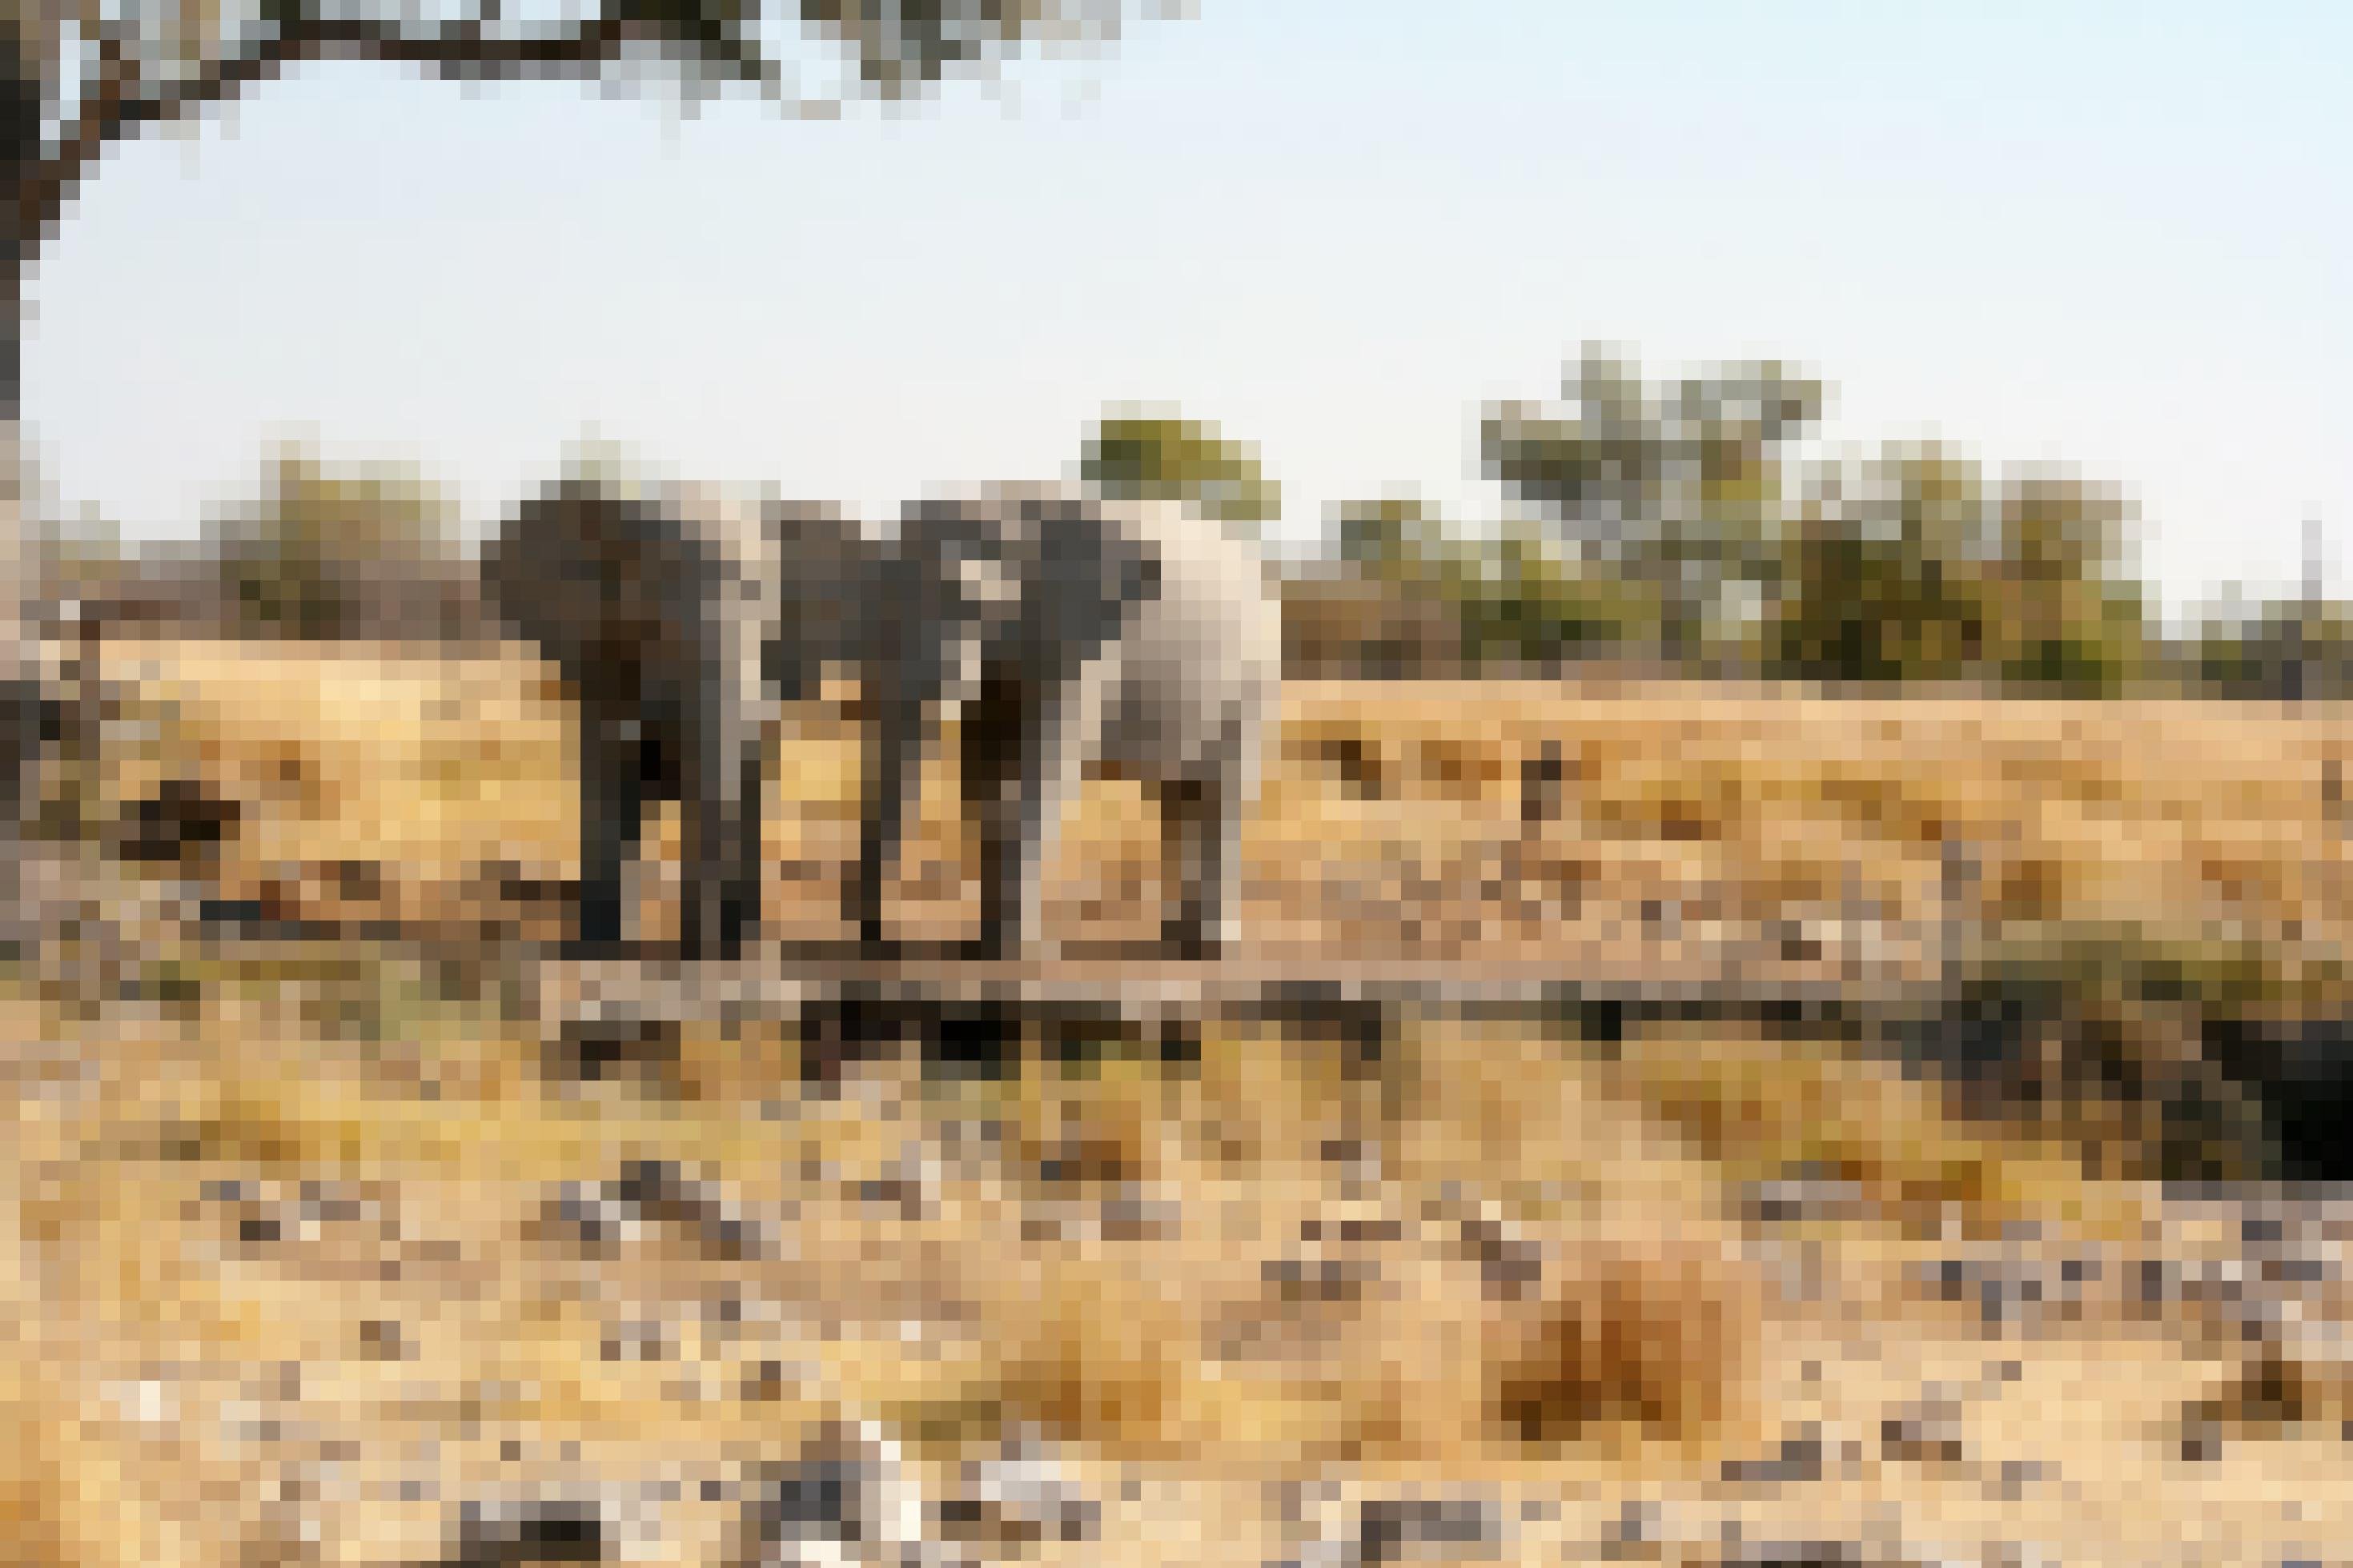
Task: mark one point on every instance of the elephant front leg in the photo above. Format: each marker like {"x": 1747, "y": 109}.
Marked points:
{"x": 1021, "y": 780}
{"x": 1017, "y": 842}
{"x": 721, "y": 911}
{"x": 1195, "y": 852}
{"x": 612, "y": 818}
{"x": 893, "y": 782}
{"x": 723, "y": 785}
{"x": 989, "y": 777}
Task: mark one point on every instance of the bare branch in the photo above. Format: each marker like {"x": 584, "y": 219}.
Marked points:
{"x": 116, "y": 109}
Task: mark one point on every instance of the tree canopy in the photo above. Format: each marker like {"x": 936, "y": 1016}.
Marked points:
{"x": 1137, "y": 457}
{"x": 1674, "y": 482}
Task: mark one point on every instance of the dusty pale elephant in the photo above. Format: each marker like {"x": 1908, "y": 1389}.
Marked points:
{"x": 664, "y": 608}
{"x": 1069, "y": 633}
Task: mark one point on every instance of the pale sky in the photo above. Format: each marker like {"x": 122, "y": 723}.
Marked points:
{"x": 2117, "y": 236}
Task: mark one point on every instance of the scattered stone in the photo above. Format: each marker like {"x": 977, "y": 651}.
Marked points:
{"x": 272, "y": 1214}
{"x": 651, "y": 1194}
{"x": 848, "y": 1498}
{"x": 1800, "y": 1554}
{"x": 1396, "y": 1529}
{"x": 1511, "y": 1265}
{"x": 1800, "y": 1201}
{"x": 1927, "y": 1430}
{"x": 2013, "y": 1293}
{"x": 1021, "y": 1495}
{"x": 1798, "y": 1459}
{"x": 511, "y": 1535}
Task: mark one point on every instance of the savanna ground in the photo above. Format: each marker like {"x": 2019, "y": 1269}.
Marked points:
{"x": 312, "y": 1256}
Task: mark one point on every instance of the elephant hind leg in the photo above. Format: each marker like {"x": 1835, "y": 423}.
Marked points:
{"x": 889, "y": 794}
{"x": 720, "y": 911}
{"x": 1197, "y": 836}
{"x": 741, "y": 915}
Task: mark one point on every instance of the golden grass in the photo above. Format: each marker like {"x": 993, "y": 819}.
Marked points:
{"x": 1391, "y": 816}
{"x": 1646, "y": 1346}
{"x": 1323, "y": 1287}
{"x": 1760, "y": 1109}
{"x": 1650, "y": 1340}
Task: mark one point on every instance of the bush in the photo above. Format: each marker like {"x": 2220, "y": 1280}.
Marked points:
{"x": 355, "y": 554}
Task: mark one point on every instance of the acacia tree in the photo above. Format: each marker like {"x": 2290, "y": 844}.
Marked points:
{"x": 1675, "y": 484}
{"x": 1136, "y": 455}
{"x": 79, "y": 77}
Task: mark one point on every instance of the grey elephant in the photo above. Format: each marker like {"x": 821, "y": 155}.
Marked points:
{"x": 1068, "y": 632}
{"x": 667, "y": 610}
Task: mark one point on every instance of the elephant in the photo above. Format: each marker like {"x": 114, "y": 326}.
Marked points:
{"x": 669, "y": 612}
{"x": 1067, "y": 632}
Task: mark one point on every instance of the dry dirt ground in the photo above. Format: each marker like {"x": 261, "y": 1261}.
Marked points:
{"x": 330, "y": 1259}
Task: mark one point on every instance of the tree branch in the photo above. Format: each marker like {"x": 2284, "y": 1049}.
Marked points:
{"x": 113, "y": 112}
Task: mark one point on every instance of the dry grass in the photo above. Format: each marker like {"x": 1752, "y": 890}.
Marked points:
{"x": 1636, "y": 1340}
{"x": 1391, "y": 818}
{"x": 1476, "y": 1254}
{"x": 1482, "y": 1255}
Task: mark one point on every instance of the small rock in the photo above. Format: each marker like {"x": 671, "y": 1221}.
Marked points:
{"x": 848, "y": 1498}
{"x": 1799, "y": 1459}
{"x": 1023, "y": 1495}
{"x": 508, "y": 1535}
{"x": 1391, "y": 1530}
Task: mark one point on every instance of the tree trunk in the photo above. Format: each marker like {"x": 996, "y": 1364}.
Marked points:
{"x": 22, "y": 90}
{"x": 20, "y": 697}
{"x": 20, "y": 693}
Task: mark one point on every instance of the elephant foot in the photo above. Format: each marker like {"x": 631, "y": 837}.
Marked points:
{"x": 1188, "y": 941}
{"x": 873, "y": 946}
{"x": 723, "y": 939}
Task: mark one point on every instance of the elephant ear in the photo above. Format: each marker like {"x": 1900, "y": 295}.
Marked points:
{"x": 1131, "y": 565}
{"x": 541, "y": 571}
{"x": 822, "y": 563}
{"x": 1094, "y": 564}
{"x": 912, "y": 620}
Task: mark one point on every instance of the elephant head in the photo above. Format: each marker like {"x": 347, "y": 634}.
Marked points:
{"x": 1025, "y": 581}
{"x": 827, "y": 576}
